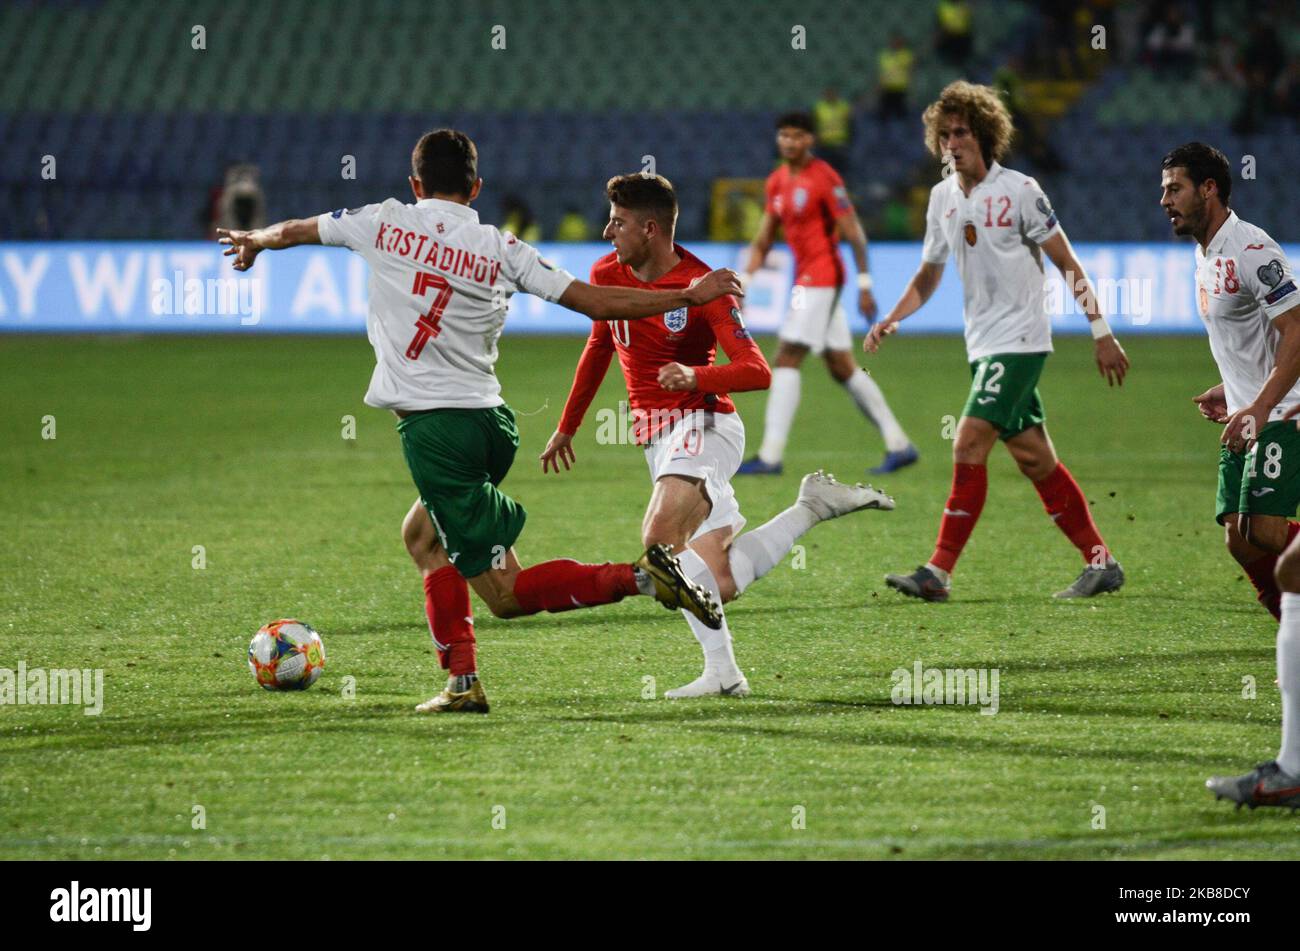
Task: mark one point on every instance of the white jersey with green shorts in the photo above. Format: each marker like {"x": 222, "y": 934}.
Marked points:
{"x": 1243, "y": 283}
{"x": 995, "y": 233}
{"x": 440, "y": 283}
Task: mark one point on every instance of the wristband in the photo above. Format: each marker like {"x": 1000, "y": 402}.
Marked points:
{"x": 1099, "y": 328}
{"x": 864, "y": 282}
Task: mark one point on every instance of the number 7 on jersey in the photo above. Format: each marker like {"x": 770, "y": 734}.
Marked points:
{"x": 427, "y": 327}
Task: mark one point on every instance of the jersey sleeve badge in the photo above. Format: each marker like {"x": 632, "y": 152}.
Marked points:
{"x": 1046, "y": 210}
{"x": 1271, "y": 275}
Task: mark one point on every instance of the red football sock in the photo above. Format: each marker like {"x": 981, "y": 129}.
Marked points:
{"x": 1260, "y": 573}
{"x": 1064, "y": 502}
{"x": 446, "y": 602}
{"x": 565, "y": 584}
{"x": 970, "y": 486}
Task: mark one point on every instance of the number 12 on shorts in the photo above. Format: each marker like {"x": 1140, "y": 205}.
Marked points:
{"x": 428, "y": 326}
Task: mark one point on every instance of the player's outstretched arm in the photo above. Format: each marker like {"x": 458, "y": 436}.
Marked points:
{"x": 1112, "y": 361}
{"x": 919, "y": 290}
{"x": 632, "y": 303}
{"x": 1213, "y": 404}
{"x": 246, "y": 245}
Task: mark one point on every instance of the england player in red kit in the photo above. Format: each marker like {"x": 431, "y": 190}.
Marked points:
{"x": 687, "y": 424}
{"x": 808, "y": 199}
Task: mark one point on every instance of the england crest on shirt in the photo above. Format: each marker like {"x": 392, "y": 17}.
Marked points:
{"x": 675, "y": 320}
{"x": 800, "y": 199}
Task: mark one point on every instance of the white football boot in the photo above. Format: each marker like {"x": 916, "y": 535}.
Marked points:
{"x": 830, "y": 499}
{"x": 709, "y": 684}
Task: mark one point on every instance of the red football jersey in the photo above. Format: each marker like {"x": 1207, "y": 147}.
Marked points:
{"x": 807, "y": 203}
{"x": 688, "y": 336}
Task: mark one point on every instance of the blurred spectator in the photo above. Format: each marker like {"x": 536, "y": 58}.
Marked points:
{"x": 1056, "y": 52}
{"x": 895, "y": 77}
{"x": 1030, "y": 140}
{"x": 573, "y": 226}
{"x": 895, "y": 219}
{"x": 1171, "y": 42}
{"x": 1223, "y": 64}
{"x": 1264, "y": 51}
{"x": 954, "y": 40}
{"x": 1265, "y": 60}
{"x": 519, "y": 220}
{"x": 833, "y": 118}
{"x": 1288, "y": 90}
{"x": 239, "y": 202}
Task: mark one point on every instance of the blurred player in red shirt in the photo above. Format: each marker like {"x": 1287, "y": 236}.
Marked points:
{"x": 808, "y": 199}
{"x": 687, "y": 424}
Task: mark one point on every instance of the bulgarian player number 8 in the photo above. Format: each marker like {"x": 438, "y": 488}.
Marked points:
{"x": 427, "y": 327}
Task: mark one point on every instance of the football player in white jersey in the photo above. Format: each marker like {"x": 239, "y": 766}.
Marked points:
{"x": 999, "y": 225}
{"x": 439, "y": 286}
{"x": 1247, "y": 296}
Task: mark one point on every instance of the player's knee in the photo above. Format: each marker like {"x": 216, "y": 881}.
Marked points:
{"x": 1287, "y": 572}
{"x": 1258, "y": 533}
{"x": 968, "y": 450}
{"x": 1036, "y": 469}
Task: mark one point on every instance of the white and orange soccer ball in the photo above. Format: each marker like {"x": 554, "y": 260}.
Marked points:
{"x": 286, "y": 655}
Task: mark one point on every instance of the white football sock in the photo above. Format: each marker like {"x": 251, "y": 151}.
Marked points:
{"x": 755, "y": 553}
{"x": 943, "y": 576}
{"x": 871, "y": 401}
{"x": 1288, "y": 675}
{"x": 782, "y": 402}
{"x": 718, "y": 655}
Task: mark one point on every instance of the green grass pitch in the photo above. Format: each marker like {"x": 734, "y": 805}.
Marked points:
{"x": 234, "y": 444}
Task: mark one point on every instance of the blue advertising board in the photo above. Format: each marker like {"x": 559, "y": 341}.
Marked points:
{"x": 189, "y": 287}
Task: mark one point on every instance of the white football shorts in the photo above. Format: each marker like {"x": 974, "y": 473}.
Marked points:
{"x": 708, "y": 446}
{"x": 816, "y": 319}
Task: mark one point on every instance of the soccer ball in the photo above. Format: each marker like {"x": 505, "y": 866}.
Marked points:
{"x": 286, "y": 655}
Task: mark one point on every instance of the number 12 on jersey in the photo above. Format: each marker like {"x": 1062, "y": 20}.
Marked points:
{"x": 428, "y": 326}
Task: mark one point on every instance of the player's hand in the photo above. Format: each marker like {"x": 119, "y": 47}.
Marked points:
{"x": 242, "y": 244}
{"x": 1112, "y": 361}
{"x": 559, "y": 449}
{"x": 674, "y": 377}
{"x": 1214, "y": 405}
{"x": 1293, "y": 412}
{"x": 871, "y": 343}
{"x": 713, "y": 285}
{"x": 1243, "y": 427}
{"x": 867, "y": 306}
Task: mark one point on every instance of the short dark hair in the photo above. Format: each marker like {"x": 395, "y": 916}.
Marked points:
{"x": 1202, "y": 162}
{"x": 446, "y": 162}
{"x": 796, "y": 120}
{"x": 648, "y": 194}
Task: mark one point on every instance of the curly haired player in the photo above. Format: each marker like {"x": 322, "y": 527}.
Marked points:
{"x": 999, "y": 225}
